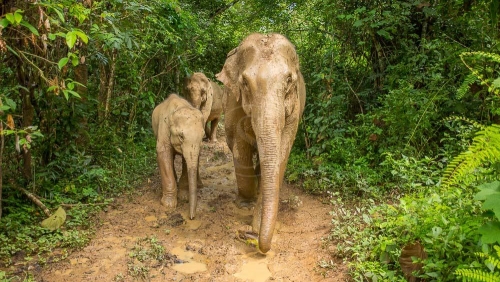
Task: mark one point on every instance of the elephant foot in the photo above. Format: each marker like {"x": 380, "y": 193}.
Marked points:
{"x": 169, "y": 202}
{"x": 244, "y": 203}
{"x": 183, "y": 195}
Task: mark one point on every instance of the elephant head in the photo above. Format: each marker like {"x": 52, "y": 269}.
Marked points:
{"x": 198, "y": 91}
{"x": 186, "y": 134}
{"x": 266, "y": 89}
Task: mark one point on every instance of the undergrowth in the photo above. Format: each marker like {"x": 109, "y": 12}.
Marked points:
{"x": 89, "y": 187}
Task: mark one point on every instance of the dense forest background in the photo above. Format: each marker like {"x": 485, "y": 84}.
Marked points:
{"x": 400, "y": 126}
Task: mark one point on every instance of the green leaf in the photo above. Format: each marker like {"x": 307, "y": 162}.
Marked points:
{"x": 493, "y": 203}
{"x": 82, "y": 36}
{"x": 10, "y": 103}
{"x": 62, "y": 62}
{"x": 358, "y": 23}
{"x": 59, "y": 13}
{"x": 384, "y": 34}
{"x": 30, "y": 27}
{"x": 52, "y": 36}
{"x": 10, "y": 18}
{"x": 18, "y": 17}
{"x": 496, "y": 82}
{"x": 71, "y": 39}
{"x": 51, "y": 88}
{"x": 490, "y": 232}
{"x": 4, "y": 107}
{"x": 74, "y": 61}
{"x": 56, "y": 220}
{"x": 74, "y": 93}
{"x": 487, "y": 190}
{"x": 4, "y": 22}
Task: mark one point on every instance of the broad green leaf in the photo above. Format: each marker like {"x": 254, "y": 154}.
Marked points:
{"x": 62, "y": 62}
{"x": 496, "y": 82}
{"x": 71, "y": 39}
{"x": 82, "y": 36}
{"x": 74, "y": 61}
{"x": 30, "y": 27}
{"x": 70, "y": 85}
{"x": 56, "y": 220}
{"x": 18, "y": 17}
{"x": 10, "y": 18}
{"x": 4, "y": 22}
{"x": 74, "y": 93}
{"x": 10, "y": 103}
{"x": 493, "y": 203}
{"x": 487, "y": 190}
{"x": 4, "y": 107}
{"x": 52, "y": 36}
{"x": 358, "y": 23}
{"x": 490, "y": 232}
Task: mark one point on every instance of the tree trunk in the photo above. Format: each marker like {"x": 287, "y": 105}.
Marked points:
{"x": 1, "y": 164}
{"x": 111, "y": 82}
{"x": 103, "y": 79}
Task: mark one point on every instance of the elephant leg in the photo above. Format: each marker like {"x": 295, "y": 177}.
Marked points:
{"x": 213, "y": 130}
{"x": 184, "y": 183}
{"x": 207, "y": 130}
{"x": 245, "y": 173}
{"x": 168, "y": 181}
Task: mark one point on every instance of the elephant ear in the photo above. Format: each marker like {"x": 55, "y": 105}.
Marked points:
{"x": 229, "y": 74}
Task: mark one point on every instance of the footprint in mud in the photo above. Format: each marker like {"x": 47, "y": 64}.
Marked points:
{"x": 191, "y": 261}
{"x": 254, "y": 267}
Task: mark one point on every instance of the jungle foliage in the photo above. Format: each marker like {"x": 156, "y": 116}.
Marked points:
{"x": 400, "y": 129}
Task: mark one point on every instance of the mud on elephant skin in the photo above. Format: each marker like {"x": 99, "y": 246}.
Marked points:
{"x": 206, "y": 96}
{"x": 264, "y": 103}
{"x": 179, "y": 130}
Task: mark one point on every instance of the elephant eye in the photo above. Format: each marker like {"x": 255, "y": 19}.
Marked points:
{"x": 289, "y": 84}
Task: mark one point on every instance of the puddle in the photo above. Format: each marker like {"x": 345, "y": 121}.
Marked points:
{"x": 189, "y": 266}
{"x": 255, "y": 267}
{"x": 256, "y": 271}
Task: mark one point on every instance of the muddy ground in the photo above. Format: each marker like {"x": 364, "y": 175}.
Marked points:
{"x": 138, "y": 240}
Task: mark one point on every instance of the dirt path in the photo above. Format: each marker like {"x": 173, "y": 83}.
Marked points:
{"x": 137, "y": 240}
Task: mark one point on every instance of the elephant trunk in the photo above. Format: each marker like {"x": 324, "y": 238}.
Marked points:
{"x": 192, "y": 173}
{"x": 268, "y": 133}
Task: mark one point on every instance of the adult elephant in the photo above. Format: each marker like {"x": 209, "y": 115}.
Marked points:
{"x": 206, "y": 96}
{"x": 265, "y": 100}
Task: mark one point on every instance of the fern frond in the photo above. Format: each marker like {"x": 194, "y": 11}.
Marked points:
{"x": 477, "y": 275}
{"x": 493, "y": 261}
{"x": 497, "y": 248}
{"x": 460, "y": 118}
{"x": 464, "y": 88}
{"x": 485, "y": 148}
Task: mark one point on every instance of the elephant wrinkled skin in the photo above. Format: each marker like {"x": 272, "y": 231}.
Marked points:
{"x": 264, "y": 103}
{"x": 206, "y": 96}
{"x": 178, "y": 128}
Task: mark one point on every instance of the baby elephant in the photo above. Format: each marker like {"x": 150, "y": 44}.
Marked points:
{"x": 206, "y": 96}
{"x": 179, "y": 129}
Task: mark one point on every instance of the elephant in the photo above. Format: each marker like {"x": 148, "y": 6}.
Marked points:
{"x": 206, "y": 96}
{"x": 265, "y": 100}
{"x": 179, "y": 129}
